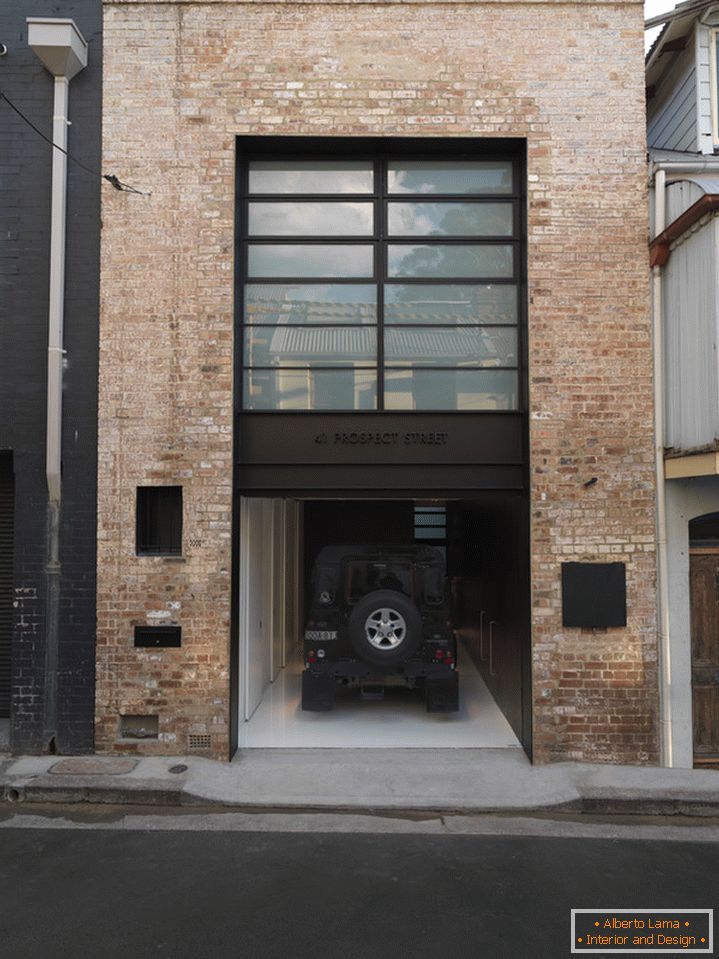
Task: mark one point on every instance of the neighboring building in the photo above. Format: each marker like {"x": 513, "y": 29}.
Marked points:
{"x": 391, "y": 276}
{"x": 683, "y": 137}
{"x": 47, "y": 601}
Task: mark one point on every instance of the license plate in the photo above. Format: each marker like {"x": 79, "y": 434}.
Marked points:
{"x": 320, "y": 635}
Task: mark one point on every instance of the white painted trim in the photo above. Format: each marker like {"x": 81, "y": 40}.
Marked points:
{"x": 700, "y": 464}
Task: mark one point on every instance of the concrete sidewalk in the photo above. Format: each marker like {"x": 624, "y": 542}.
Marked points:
{"x": 465, "y": 781}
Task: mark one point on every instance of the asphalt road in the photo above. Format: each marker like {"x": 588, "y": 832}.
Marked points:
{"x": 99, "y": 893}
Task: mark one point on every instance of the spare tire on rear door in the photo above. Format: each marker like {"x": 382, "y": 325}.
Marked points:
{"x": 385, "y": 628}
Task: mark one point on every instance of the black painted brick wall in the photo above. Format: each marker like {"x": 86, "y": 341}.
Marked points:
{"x": 25, "y": 170}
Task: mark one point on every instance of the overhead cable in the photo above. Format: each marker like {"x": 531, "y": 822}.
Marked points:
{"x": 110, "y": 177}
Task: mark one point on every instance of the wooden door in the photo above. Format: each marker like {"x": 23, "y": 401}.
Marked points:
{"x": 704, "y": 598}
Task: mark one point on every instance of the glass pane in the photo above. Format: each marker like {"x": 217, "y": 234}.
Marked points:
{"x": 443, "y": 259}
{"x": 309, "y": 345}
{"x": 450, "y": 303}
{"x": 310, "y": 389}
{"x": 452, "y": 346}
{"x": 325, "y": 303}
{"x": 315, "y": 259}
{"x": 451, "y": 390}
{"x": 310, "y": 219}
{"x": 461, "y": 177}
{"x": 450, "y": 219}
{"x": 311, "y": 176}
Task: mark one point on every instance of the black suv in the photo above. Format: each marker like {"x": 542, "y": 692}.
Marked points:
{"x": 379, "y": 615}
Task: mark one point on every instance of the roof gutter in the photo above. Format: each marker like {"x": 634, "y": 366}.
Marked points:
{"x": 660, "y": 246}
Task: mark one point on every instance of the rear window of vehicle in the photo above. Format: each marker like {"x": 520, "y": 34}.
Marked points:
{"x": 363, "y": 578}
{"x": 433, "y": 586}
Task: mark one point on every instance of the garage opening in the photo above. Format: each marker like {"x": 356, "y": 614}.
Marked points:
{"x": 479, "y": 543}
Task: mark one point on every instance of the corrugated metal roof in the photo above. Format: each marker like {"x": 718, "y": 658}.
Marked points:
{"x": 301, "y": 343}
{"x": 304, "y": 341}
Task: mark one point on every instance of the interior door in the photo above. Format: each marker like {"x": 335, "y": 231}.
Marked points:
{"x": 255, "y": 646}
{"x": 277, "y": 586}
{"x": 704, "y": 593}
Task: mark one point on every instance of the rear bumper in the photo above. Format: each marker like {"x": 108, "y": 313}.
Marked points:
{"x": 356, "y": 669}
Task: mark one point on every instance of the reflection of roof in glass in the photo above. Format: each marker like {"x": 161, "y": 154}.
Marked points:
{"x": 424, "y": 313}
{"x": 304, "y": 311}
{"x": 300, "y": 343}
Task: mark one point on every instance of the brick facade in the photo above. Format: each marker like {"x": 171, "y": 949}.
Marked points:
{"x": 25, "y": 174}
{"x": 182, "y": 79}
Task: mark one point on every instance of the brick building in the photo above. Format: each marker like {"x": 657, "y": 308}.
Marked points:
{"x": 305, "y": 161}
{"x": 47, "y": 539}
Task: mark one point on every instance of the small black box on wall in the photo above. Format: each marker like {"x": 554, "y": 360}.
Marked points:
{"x": 594, "y": 595}
{"x": 150, "y": 636}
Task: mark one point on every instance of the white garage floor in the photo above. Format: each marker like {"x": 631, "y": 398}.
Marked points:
{"x": 399, "y": 720}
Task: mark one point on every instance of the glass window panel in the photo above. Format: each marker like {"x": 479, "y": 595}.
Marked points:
{"x": 451, "y": 390}
{"x": 433, "y": 533}
{"x": 313, "y": 259}
{"x": 310, "y": 389}
{"x": 312, "y": 218}
{"x": 461, "y": 177}
{"x": 448, "y": 260}
{"x": 450, "y": 303}
{"x": 343, "y": 303}
{"x": 450, "y": 219}
{"x": 309, "y": 345}
{"x": 311, "y": 176}
{"x": 451, "y": 346}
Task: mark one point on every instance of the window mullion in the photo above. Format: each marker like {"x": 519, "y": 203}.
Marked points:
{"x": 380, "y": 227}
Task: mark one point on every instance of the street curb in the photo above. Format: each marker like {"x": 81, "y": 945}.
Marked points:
{"x": 617, "y": 806}
{"x": 426, "y": 783}
{"x": 162, "y": 794}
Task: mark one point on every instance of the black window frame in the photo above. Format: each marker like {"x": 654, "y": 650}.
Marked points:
{"x": 381, "y": 151}
{"x": 156, "y": 513}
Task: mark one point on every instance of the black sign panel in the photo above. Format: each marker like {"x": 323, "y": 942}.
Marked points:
{"x": 379, "y": 451}
{"x": 594, "y": 595}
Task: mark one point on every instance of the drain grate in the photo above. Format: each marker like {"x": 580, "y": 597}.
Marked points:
{"x": 199, "y": 741}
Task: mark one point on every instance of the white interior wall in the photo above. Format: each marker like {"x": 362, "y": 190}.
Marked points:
{"x": 269, "y": 601}
{"x": 686, "y": 499}
{"x": 254, "y": 615}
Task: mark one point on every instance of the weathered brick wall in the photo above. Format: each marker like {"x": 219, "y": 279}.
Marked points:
{"x": 182, "y": 79}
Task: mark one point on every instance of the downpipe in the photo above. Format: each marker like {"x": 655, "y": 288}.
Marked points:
{"x": 53, "y": 457}
{"x": 665, "y": 665}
